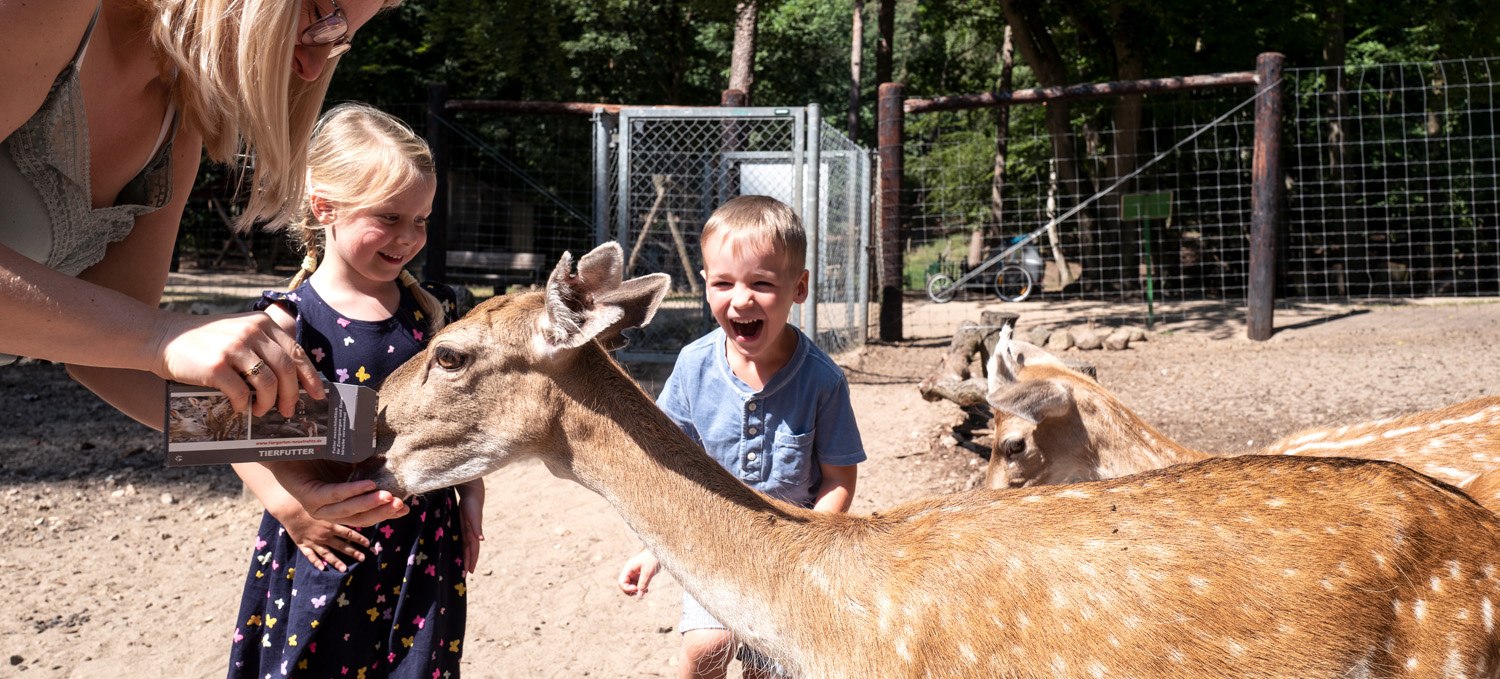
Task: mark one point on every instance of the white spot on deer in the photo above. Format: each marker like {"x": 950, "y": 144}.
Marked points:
{"x": 1435, "y": 583}
{"x": 1399, "y": 432}
{"x": 1289, "y": 572}
{"x": 1454, "y": 665}
{"x": 1059, "y": 599}
{"x": 1332, "y": 445}
{"x": 1059, "y": 665}
{"x": 1198, "y": 583}
{"x": 1032, "y": 498}
{"x": 1075, "y": 494}
{"x": 1236, "y": 649}
{"x": 1487, "y": 612}
{"x": 1096, "y": 670}
{"x": 1411, "y": 663}
{"x": 902, "y": 651}
{"x": 1276, "y": 502}
{"x": 1176, "y": 656}
{"x": 968, "y": 653}
{"x": 1327, "y": 584}
{"x": 1419, "y": 609}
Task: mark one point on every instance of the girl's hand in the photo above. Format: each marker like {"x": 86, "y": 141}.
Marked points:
{"x": 352, "y": 503}
{"x": 320, "y": 541}
{"x": 240, "y": 355}
{"x": 635, "y": 577}
{"x": 471, "y": 503}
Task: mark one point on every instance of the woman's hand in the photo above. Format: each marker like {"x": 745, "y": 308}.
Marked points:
{"x": 320, "y": 541}
{"x": 352, "y": 503}
{"x": 242, "y": 355}
{"x": 471, "y": 504}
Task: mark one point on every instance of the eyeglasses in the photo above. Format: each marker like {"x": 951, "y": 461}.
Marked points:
{"x": 330, "y": 29}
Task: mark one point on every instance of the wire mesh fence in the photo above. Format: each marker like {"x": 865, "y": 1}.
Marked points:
{"x": 524, "y": 187}
{"x": 1393, "y": 186}
{"x": 1390, "y": 173}
{"x": 670, "y": 168}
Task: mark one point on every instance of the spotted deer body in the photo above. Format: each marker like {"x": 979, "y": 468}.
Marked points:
{"x": 1055, "y": 425}
{"x": 1272, "y": 567}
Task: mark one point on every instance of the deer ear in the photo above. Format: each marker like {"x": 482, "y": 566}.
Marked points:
{"x": 638, "y": 299}
{"x": 1011, "y": 356}
{"x": 595, "y": 302}
{"x": 1032, "y": 400}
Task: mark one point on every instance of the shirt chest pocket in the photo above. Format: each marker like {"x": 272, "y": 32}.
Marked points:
{"x": 792, "y": 458}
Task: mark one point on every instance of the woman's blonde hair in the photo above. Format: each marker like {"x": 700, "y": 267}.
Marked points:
{"x": 360, "y": 157}
{"x": 234, "y": 84}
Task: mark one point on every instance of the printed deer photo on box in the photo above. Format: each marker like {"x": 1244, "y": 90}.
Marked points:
{"x": 1256, "y": 566}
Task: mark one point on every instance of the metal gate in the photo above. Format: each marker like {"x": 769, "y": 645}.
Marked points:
{"x": 659, "y": 173}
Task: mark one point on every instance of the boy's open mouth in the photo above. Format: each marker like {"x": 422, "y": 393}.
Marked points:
{"x": 747, "y": 329}
{"x": 391, "y": 259}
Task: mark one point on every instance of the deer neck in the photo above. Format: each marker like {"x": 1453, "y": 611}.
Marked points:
{"x": 725, "y": 543}
{"x": 1127, "y": 444}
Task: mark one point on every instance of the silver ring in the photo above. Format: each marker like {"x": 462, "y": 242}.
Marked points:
{"x": 255, "y": 369}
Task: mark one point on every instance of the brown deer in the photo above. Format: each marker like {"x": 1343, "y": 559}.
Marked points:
{"x": 1054, "y": 425}
{"x": 1268, "y": 567}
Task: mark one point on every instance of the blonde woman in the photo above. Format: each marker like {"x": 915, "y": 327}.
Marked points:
{"x": 324, "y": 598}
{"x": 108, "y": 107}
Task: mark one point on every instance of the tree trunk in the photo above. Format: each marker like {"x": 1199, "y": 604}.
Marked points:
{"x": 1037, "y": 48}
{"x": 856, "y": 54}
{"x": 742, "y": 58}
{"x": 883, "y": 47}
{"x": 1002, "y": 138}
{"x": 1130, "y": 65}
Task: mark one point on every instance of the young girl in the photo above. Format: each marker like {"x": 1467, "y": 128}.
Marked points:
{"x": 323, "y": 599}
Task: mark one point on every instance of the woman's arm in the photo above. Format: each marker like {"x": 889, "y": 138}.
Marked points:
{"x": 107, "y": 319}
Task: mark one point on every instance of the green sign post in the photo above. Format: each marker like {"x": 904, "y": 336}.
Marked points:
{"x": 1144, "y": 207}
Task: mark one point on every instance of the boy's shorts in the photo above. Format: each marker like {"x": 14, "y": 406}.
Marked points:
{"x": 694, "y": 616}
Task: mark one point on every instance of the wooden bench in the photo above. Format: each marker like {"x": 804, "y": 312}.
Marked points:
{"x": 494, "y": 268}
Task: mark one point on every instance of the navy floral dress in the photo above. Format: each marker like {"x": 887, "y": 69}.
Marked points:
{"x": 400, "y": 612}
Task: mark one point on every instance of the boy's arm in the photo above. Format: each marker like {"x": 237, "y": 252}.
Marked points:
{"x": 836, "y": 493}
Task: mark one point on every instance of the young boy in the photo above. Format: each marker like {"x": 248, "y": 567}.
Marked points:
{"x": 762, "y": 399}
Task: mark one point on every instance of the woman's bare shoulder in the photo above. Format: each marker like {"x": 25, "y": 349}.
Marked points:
{"x": 37, "y": 39}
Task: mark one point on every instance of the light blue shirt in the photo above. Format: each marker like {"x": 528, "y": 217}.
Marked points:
{"x": 773, "y": 439}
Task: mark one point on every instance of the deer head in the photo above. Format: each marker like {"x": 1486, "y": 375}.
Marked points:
{"x": 1032, "y": 395}
{"x": 452, "y": 401}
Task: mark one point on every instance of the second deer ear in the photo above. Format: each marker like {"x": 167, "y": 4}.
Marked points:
{"x": 1032, "y": 400}
{"x": 595, "y": 303}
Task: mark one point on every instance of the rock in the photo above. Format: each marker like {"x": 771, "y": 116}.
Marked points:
{"x": 1038, "y": 335}
{"x": 1059, "y": 341}
{"x": 1086, "y": 339}
{"x": 16, "y": 660}
{"x": 1136, "y": 334}
{"x": 167, "y": 499}
{"x": 1118, "y": 340}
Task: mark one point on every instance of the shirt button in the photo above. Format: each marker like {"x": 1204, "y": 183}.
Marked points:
{"x": 752, "y": 431}
{"x": 750, "y": 456}
{"x": 751, "y": 407}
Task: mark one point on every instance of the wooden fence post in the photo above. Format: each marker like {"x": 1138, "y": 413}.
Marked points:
{"x": 1266, "y": 198}
{"x": 891, "y": 134}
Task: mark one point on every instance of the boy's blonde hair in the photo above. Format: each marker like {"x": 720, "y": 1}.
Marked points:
{"x": 234, "y": 85}
{"x": 764, "y": 223}
{"x": 360, "y": 157}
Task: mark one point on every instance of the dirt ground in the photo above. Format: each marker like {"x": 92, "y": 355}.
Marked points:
{"x": 116, "y": 565}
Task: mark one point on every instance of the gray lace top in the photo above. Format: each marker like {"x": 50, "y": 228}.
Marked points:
{"x": 46, "y": 201}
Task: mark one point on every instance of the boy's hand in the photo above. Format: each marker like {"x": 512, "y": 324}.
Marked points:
{"x": 635, "y": 577}
{"x": 320, "y": 541}
{"x": 471, "y": 504}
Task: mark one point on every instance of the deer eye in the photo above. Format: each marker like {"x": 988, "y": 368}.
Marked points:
{"x": 448, "y": 358}
{"x": 1012, "y": 447}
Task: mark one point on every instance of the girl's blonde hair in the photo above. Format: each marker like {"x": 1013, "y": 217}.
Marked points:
{"x": 360, "y": 157}
{"x": 234, "y": 84}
